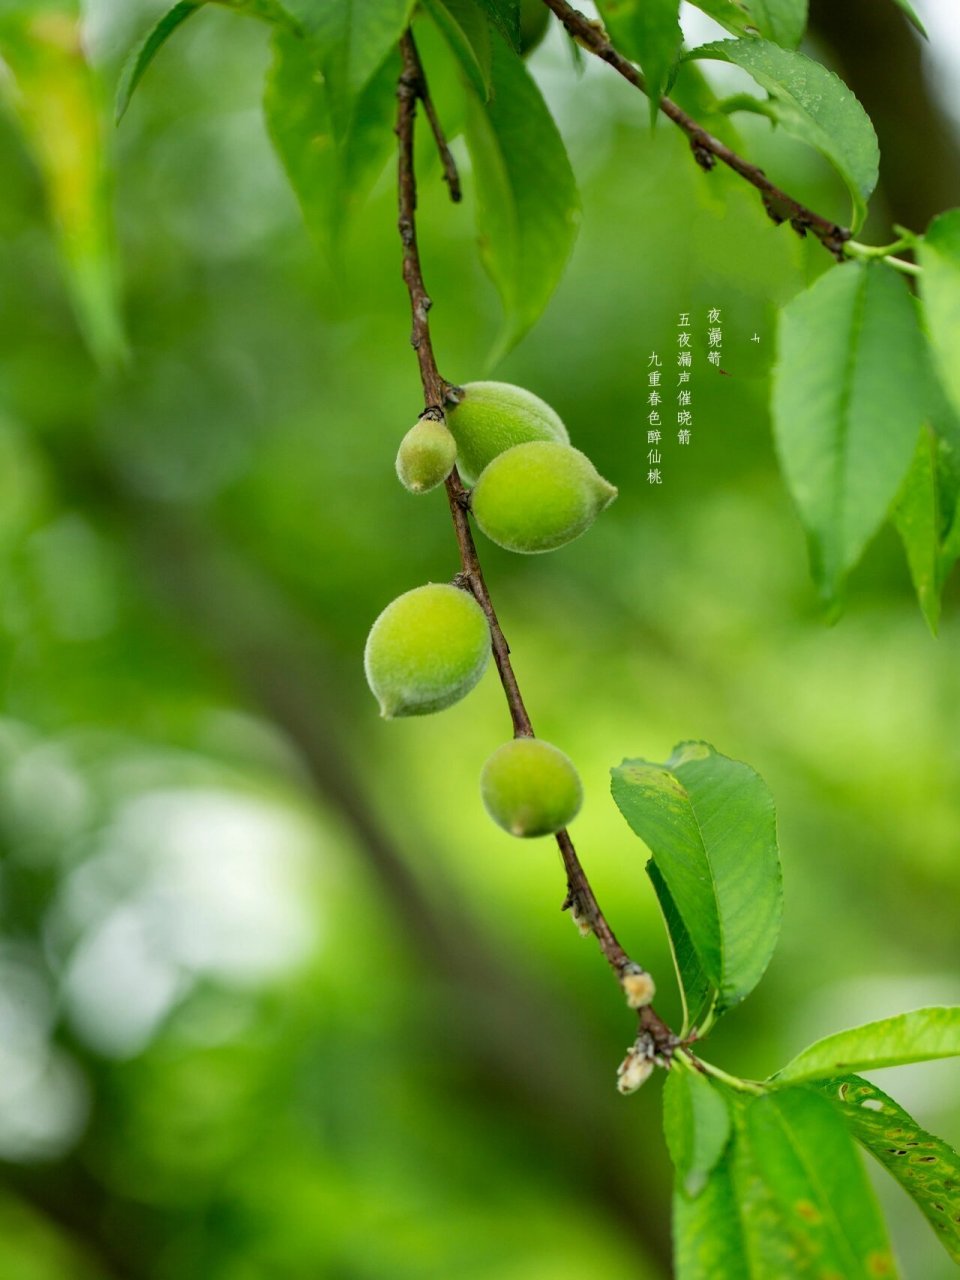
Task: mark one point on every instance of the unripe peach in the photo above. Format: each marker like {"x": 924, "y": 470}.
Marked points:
{"x": 426, "y": 456}
{"x": 539, "y": 496}
{"x": 530, "y": 788}
{"x": 494, "y": 416}
{"x": 427, "y": 650}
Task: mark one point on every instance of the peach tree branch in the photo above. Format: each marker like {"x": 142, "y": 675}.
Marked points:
{"x": 581, "y": 899}
{"x": 707, "y": 149}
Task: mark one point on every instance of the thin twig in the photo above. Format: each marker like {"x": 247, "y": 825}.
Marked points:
{"x": 707, "y": 149}
{"x": 437, "y": 393}
{"x": 451, "y": 175}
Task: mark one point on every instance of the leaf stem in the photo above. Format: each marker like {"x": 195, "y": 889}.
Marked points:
{"x": 732, "y": 1082}
{"x": 883, "y": 253}
{"x": 580, "y": 898}
{"x": 707, "y": 149}
{"x": 706, "y": 1025}
{"x": 856, "y": 249}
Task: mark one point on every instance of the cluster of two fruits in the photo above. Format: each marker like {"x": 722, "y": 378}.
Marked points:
{"x": 533, "y": 492}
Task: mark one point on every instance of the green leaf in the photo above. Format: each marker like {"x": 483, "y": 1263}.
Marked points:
{"x": 925, "y": 1166}
{"x": 782, "y": 21}
{"x": 528, "y": 209}
{"x": 919, "y": 1036}
{"x": 696, "y": 992}
{"x": 787, "y": 1201}
{"x": 351, "y": 39}
{"x": 710, "y": 825}
{"x": 138, "y": 62}
{"x": 911, "y": 13}
{"x": 692, "y": 91}
{"x": 746, "y": 102}
{"x": 767, "y": 1248}
{"x": 467, "y": 33}
{"x": 950, "y": 547}
{"x": 696, "y": 1123}
{"x": 707, "y": 1232}
{"x": 648, "y": 32}
{"x": 55, "y": 98}
{"x": 811, "y": 104}
{"x": 266, "y": 10}
{"x": 848, "y": 392}
{"x": 330, "y": 172}
{"x": 141, "y": 58}
{"x": 505, "y": 15}
{"x": 944, "y": 419}
{"x": 916, "y": 517}
{"x": 811, "y": 1201}
{"x": 939, "y": 255}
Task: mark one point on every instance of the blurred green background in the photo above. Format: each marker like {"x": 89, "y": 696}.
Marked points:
{"x": 277, "y": 1000}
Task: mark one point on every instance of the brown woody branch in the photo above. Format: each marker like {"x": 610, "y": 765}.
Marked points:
{"x": 451, "y": 175}
{"x": 437, "y": 392}
{"x": 707, "y": 149}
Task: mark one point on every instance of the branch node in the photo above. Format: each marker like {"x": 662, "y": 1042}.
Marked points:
{"x": 707, "y": 149}
{"x": 702, "y": 153}
{"x": 638, "y": 987}
{"x": 773, "y": 212}
{"x": 578, "y": 916}
{"x": 637, "y": 1067}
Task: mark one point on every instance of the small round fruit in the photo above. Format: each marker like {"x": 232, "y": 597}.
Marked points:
{"x": 530, "y": 788}
{"x": 426, "y": 456}
{"x": 494, "y": 416}
{"x": 426, "y": 650}
{"x": 539, "y": 496}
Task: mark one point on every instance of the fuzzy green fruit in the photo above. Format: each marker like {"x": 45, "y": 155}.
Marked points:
{"x": 530, "y": 788}
{"x": 494, "y": 416}
{"x": 426, "y": 650}
{"x": 539, "y": 496}
{"x": 426, "y": 456}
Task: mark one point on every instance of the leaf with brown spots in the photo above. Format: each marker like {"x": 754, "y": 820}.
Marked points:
{"x": 801, "y": 1183}
{"x": 925, "y": 1166}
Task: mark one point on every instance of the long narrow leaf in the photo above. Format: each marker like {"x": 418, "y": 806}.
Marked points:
{"x": 919, "y": 1036}
{"x": 528, "y": 209}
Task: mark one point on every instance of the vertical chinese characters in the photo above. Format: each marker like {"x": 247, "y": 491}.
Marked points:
{"x": 654, "y": 401}
{"x": 684, "y": 371}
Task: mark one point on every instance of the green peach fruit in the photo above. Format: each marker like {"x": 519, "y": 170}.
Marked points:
{"x": 426, "y": 456}
{"x": 539, "y": 496}
{"x": 530, "y": 788}
{"x": 427, "y": 650}
{"x": 494, "y": 416}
